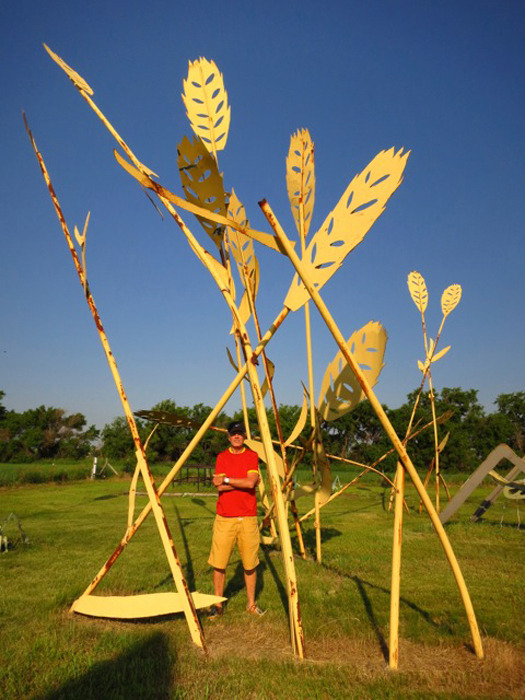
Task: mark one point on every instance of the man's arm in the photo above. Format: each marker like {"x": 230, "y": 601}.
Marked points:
{"x": 249, "y": 481}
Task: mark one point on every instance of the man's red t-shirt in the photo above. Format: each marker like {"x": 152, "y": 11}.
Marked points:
{"x": 239, "y": 502}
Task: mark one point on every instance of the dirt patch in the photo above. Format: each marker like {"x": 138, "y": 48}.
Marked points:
{"x": 427, "y": 668}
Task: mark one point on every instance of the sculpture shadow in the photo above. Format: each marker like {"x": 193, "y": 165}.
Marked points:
{"x": 146, "y": 670}
{"x": 190, "y": 571}
{"x": 277, "y": 579}
{"x": 202, "y": 503}
{"x": 327, "y": 533}
{"x": 236, "y": 583}
{"x": 362, "y": 587}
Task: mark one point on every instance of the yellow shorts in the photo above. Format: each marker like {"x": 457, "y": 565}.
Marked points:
{"x": 228, "y": 531}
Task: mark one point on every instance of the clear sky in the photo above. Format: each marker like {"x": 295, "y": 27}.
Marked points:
{"x": 443, "y": 79}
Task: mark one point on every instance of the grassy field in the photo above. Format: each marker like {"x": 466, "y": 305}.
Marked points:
{"x": 74, "y": 526}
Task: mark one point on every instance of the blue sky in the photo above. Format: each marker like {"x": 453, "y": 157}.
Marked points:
{"x": 443, "y": 79}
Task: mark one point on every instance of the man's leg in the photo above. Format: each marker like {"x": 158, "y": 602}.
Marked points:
{"x": 219, "y": 576}
{"x": 250, "y": 579}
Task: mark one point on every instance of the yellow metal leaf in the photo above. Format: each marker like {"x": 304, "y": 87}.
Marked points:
{"x": 80, "y": 239}
{"x": 450, "y": 299}
{"x": 443, "y": 443}
{"x": 77, "y": 79}
{"x": 300, "y": 423}
{"x": 441, "y": 353}
{"x": 257, "y": 446}
{"x": 362, "y": 203}
{"x": 306, "y": 490}
{"x": 139, "y": 606}
{"x": 265, "y": 238}
{"x": 323, "y": 464}
{"x": 418, "y": 290}
{"x": 271, "y": 370}
{"x": 232, "y": 361}
{"x": 300, "y": 177}
{"x": 202, "y": 183}
{"x": 242, "y": 249}
{"x": 422, "y": 367}
{"x": 340, "y": 390}
{"x": 206, "y": 104}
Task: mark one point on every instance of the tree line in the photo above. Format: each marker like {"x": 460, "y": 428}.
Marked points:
{"x": 45, "y": 433}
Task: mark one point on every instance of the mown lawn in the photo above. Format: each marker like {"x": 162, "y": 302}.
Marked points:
{"x": 74, "y": 527}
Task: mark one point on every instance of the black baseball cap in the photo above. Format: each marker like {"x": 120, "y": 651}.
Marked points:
{"x": 236, "y": 428}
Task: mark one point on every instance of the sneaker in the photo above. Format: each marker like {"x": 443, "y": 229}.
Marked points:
{"x": 215, "y": 612}
{"x": 255, "y": 610}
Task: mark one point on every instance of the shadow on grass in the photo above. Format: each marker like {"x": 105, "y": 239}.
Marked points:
{"x": 200, "y": 502}
{"x": 371, "y": 616}
{"x": 146, "y": 670}
{"x": 190, "y": 573}
{"x": 236, "y": 583}
{"x": 277, "y": 579}
{"x": 309, "y": 538}
{"x": 502, "y": 524}
{"x": 362, "y": 586}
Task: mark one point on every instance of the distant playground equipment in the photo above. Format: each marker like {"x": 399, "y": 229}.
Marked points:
{"x": 7, "y": 539}
{"x": 95, "y": 474}
{"x": 348, "y": 380}
{"x": 512, "y": 489}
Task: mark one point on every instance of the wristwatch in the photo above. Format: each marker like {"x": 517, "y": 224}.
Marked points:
{"x": 226, "y": 479}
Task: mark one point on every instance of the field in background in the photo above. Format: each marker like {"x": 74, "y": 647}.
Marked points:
{"x": 74, "y": 526}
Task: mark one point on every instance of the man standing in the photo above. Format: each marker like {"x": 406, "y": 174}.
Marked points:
{"x": 236, "y": 476}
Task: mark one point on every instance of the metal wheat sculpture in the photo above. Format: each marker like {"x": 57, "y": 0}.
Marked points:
{"x": 148, "y": 604}
{"x": 345, "y": 227}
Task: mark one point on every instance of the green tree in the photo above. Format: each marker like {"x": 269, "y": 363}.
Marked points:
{"x": 117, "y": 442}
{"x": 44, "y": 433}
{"x": 512, "y": 406}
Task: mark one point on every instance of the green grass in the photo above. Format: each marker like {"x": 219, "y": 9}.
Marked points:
{"x": 74, "y": 526}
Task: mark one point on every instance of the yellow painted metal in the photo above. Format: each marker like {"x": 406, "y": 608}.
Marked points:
{"x": 241, "y": 247}
{"x": 366, "y": 468}
{"x": 132, "y": 495}
{"x": 300, "y": 179}
{"x": 395, "y": 586}
{"x": 301, "y": 422}
{"x": 142, "y": 174}
{"x": 81, "y": 240}
{"x": 340, "y": 390}
{"x": 345, "y": 227}
{"x": 146, "y": 181}
{"x": 342, "y": 490}
{"x": 300, "y": 183}
{"x": 77, "y": 80}
{"x": 202, "y": 183}
{"x": 206, "y": 102}
{"x": 450, "y": 299}
{"x": 222, "y": 280}
{"x": 376, "y": 405}
{"x": 162, "y": 525}
{"x": 364, "y": 206}
{"x": 130, "y": 532}
{"x": 258, "y": 446}
{"x": 418, "y": 291}
{"x": 133, "y": 607}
